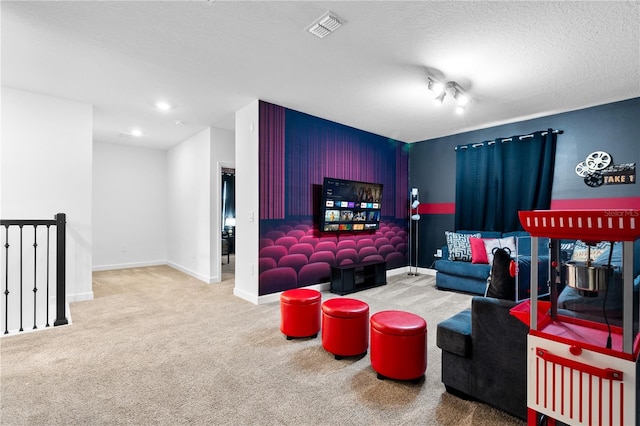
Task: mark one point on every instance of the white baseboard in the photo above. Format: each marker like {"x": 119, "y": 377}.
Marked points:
{"x": 80, "y": 297}
{"x": 249, "y": 297}
{"x": 405, "y": 270}
{"x": 397, "y": 271}
{"x": 128, "y": 265}
{"x": 427, "y": 271}
{"x": 273, "y": 297}
{"x": 188, "y": 271}
{"x": 208, "y": 280}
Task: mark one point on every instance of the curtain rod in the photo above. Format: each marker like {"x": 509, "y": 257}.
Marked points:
{"x": 476, "y": 145}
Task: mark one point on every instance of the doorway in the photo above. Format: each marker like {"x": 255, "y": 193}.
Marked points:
{"x": 228, "y": 222}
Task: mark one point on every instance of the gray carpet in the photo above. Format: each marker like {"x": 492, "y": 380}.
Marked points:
{"x": 158, "y": 347}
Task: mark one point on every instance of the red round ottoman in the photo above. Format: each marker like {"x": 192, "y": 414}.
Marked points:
{"x": 300, "y": 313}
{"x": 345, "y": 327}
{"x": 398, "y": 345}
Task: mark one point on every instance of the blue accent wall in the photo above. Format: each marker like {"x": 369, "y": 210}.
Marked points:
{"x": 613, "y": 128}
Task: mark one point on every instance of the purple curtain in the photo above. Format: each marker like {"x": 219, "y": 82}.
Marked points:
{"x": 316, "y": 148}
{"x": 271, "y": 154}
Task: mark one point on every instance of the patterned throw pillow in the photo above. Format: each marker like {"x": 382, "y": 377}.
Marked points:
{"x": 459, "y": 246}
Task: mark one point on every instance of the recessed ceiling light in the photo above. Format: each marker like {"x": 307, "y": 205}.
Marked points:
{"x": 136, "y": 132}
{"x": 163, "y": 106}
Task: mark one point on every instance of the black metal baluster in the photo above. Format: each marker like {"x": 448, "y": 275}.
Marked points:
{"x": 35, "y": 274}
{"x": 6, "y": 281}
{"x": 61, "y": 223}
{"x": 48, "y": 227}
{"x": 21, "y": 329}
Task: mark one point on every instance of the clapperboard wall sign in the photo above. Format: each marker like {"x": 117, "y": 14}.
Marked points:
{"x": 597, "y": 170}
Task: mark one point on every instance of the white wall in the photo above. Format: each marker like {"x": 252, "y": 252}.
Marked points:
{"x": 193, "y": 196}
{"x": 46, "y": 161}
{"x": 189, "y": 207}
{"x": 129, "y": 206}
{"x": 247, "y": 212}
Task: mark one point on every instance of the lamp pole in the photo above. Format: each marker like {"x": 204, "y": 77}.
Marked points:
{"x": 410, "y": 229}
{"x": 417, "y": 236}
{"x": 413, "y": 204}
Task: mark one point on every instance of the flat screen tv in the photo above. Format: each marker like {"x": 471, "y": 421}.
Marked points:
{"x": 349, "y": 205}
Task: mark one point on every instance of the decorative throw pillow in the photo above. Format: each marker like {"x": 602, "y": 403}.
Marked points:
{"x": 459, "y": 246}
{"x": 490, "y": 244}
{"x": 478, "y": 252}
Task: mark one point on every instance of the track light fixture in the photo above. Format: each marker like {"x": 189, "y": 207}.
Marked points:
{"x": 436, "y": 87}
{"x": 440, "y": 90}
{"x": 462, "y": 101}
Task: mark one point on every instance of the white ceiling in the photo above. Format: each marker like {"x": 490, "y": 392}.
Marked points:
{"x": 517, "y": 60}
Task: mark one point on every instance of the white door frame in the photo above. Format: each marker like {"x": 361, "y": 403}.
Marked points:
{"x": 217, "y": 231}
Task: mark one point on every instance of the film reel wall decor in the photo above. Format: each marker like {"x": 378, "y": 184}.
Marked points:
{"x": 598, "y": 169}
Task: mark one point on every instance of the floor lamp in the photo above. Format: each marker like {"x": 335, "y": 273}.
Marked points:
{"x": 413, "y": 205}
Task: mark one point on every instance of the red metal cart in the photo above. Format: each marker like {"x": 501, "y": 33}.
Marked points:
{"x": 573, "y": 376}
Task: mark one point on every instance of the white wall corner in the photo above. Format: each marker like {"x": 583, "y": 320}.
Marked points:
{"x": 247, "y": 206}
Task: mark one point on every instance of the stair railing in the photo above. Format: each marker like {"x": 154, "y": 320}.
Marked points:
{"x": 17, "y": 260}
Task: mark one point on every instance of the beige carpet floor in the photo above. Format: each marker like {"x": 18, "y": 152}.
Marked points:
{"x": 157, "y": 347}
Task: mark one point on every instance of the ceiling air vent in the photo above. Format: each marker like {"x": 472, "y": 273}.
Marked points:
{"x": 325, "y": 25}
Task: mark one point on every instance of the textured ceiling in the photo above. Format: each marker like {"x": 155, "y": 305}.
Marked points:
{"x": 517, "y": 60}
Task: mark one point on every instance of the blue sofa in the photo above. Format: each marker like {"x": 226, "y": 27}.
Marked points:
{"x": 472, "y": 277}
{"x": 484, "y": 355}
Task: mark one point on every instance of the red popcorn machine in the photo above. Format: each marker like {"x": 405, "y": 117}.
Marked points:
{"x": 583, "y": 363}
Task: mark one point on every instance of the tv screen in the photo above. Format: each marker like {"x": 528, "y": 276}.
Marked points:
{"x": 349, "y": 205}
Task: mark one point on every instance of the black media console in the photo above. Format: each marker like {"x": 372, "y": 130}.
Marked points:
{"x": 358, "y": 276}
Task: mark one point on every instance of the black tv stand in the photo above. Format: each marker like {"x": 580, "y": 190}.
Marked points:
{"x": 358, "y": 276}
